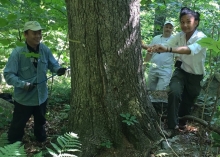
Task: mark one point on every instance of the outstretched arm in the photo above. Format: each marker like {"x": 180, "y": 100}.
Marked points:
{"x": 161, "y": 48}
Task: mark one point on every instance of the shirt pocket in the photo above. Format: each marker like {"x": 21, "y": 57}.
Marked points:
{"x": 25, "y": 68}
{"x": 42, "y": 65}
{"x": 25, "y": 73}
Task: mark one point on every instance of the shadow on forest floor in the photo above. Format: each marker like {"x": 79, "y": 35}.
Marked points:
{"x": 193, "y": 141}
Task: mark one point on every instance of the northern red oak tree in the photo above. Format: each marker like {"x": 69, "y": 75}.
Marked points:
{"x": 107, "y": 76}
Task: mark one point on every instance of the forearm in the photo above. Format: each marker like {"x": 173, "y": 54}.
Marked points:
{"x": 144, "y": 46}
{"x": 13, "y": 80}
{"x": 179, "y": 50}
{"x": 148, "y": 57}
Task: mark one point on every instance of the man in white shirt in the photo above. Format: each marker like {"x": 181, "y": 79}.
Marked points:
{"x": 161, "y": 64}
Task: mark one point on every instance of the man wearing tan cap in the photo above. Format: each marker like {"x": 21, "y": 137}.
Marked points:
{"x": 160, "y": 69}
{"x": 161, "y": 64}
{"x": 26, "y": 70}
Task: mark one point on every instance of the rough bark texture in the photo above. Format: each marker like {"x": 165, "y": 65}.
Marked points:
{"x": 107, "y": 76}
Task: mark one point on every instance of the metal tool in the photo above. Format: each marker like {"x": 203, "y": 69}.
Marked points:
{"x": 47, "y": 78}
{"x": 44, "y": 80}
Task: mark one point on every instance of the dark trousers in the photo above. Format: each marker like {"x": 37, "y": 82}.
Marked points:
{"x": 21, "y": 115}
{"x": 184, "y": 89}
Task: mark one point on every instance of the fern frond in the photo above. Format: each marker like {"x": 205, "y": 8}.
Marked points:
{"x": 51, "y": 152}
{"x": 73, "y": 150}
{"x": 22, "y": 150}
{"x": 67, "y": 155}
{"x": 56, "y": 147}
{"x": 3, "y": 139}
{"x": 67, "y": 143}
{"x": 38, "y": 154}
{"x": 61, "y": 141}
{"x": 14, "y": 149}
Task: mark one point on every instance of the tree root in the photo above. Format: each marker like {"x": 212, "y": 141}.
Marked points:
{"x": 200, "y": 121}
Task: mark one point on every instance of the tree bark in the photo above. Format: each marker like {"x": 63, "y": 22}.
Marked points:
{"x": 107, "y": 76}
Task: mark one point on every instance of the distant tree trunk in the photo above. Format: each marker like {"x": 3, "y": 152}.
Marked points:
{"x": 107, "y": 76}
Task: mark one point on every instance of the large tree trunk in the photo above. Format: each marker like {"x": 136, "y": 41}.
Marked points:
{"x": 107, "y": 76}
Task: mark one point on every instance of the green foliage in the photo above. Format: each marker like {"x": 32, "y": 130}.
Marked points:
{"x": 67, "y": 143}
{"x": 64, "y": 112}
{"x": 58, "y": 85}
{"x": 3, "y": 22}
{"x": 51, "y": 14}
{"x": 6, "y": 116}
{"x": 210, "y": 44}
{"x": 5, "y": 41}
{"x": 38, "y": 154}
{"x": 129, "y": 119}
{"x": 215, "y": 139}
{"x": 216, "y": 117}
{"x": 107, "y": 144}
{"x": 31, "y": 54}
{"x": 12, "y": 150}
{"x": 3, "y": 140}
{"x": 209, "y": 10}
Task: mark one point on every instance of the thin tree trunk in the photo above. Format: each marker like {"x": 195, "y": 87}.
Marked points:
{"x": 107, "y": 76}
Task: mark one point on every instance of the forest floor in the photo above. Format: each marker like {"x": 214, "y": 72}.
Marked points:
{"x": 193, "y": 141}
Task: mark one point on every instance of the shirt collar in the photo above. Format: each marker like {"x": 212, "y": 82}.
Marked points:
{"x": 183, "y": 35}
{"x": 31, "y": 49}
{"x": 193, "y": 36}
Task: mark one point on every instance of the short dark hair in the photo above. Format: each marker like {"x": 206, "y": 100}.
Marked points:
{"x": 187, "y": 11}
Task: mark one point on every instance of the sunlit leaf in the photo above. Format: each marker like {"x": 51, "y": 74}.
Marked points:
{"x": 31, "y": 54}
{"x": 4, "y": 41}
{"x": 210, "y": 44}
{"x": 2, "y": 63}
{"x": 4, "y": 1}
{"x": 18, "y": 43}
{"x": 215, "y": 136}
{"x": 12, "y": 17}
{"x": 3, "y": 22}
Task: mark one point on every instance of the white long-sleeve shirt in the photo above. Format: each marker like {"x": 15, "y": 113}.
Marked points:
{"x": 193, "y": 63}
{"x": 162, "y": 60}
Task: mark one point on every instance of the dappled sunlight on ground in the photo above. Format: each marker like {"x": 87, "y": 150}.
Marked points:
{"x": 192, "y": 141}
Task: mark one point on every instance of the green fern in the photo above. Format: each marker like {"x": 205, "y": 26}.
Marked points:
{"x": 3, "y": 139}
{"x": 13, "y": 150}
{"x": 38, "y": 154}
{"x": 68, "y": 143}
